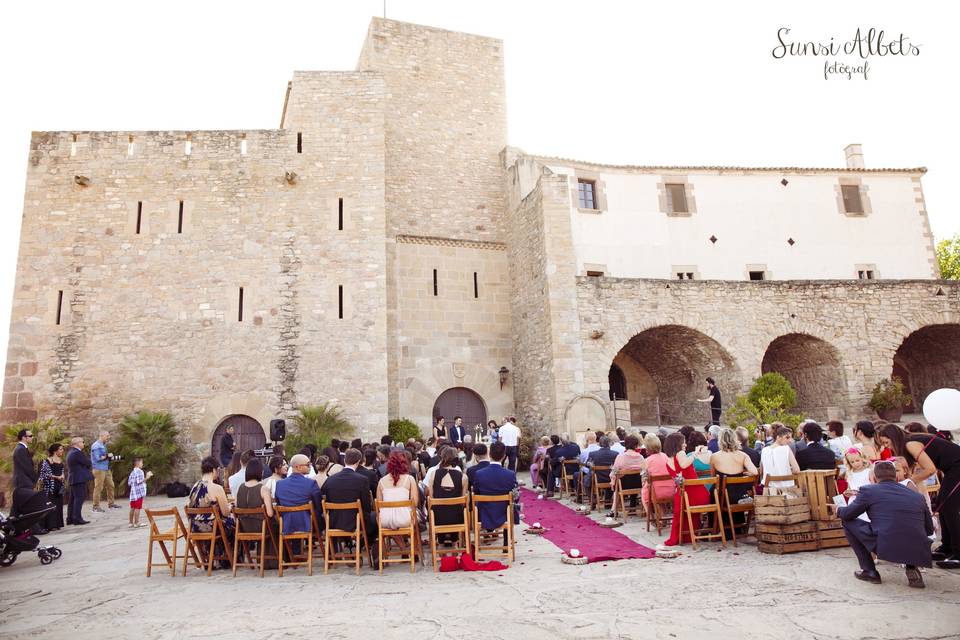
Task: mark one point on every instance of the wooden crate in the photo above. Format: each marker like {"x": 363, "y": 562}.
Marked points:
{"x": 787, "y": 547}
{"x": 787, "y": 533}
{"x": 830, "y": 534}
{"x": 781, "y": 509}
{"x": 820, "y": 486}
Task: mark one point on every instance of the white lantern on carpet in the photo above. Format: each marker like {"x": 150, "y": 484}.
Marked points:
{"x": 942, "y": 409}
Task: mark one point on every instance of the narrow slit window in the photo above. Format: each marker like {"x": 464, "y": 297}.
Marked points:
{"x": 180, "y": 219}
{"x": 243, "y": 145}
{"x": 188, "y": 146}
{"x": 340, "y": 301}
{"x": 73, "y": 146}
{"x": 59, "y": 305}
{"x": 476, "y": 286}
{"x": 240, "y": 307}
{"x": 139, "y": 215}
{"x": 299, "y": 142}
{"x": 434, "y": 282}
{"x": 129, "y": 145}
{"x": 339, "y": 214}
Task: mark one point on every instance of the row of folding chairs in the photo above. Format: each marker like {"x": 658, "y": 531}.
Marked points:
{"x": 338, "y": 546}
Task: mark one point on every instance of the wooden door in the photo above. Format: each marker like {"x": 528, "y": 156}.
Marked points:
{"x": 463, "y": 402}
{"x": 248, "y": 434}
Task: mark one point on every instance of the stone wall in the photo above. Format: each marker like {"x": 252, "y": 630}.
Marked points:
{"x": 151, "y": 319}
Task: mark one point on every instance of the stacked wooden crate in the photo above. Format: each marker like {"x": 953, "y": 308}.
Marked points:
{"x": 800, "y": 520}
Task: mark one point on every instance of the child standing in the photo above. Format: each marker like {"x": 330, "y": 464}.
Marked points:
{"x": 857, "y": 471}
{"x": 138, "y": 490}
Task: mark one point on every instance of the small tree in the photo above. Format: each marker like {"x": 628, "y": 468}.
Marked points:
{"x": 402, "y": 430}
{"x": 948, "y": 258}
{"x": 152, "y": 436}
{"x": 317, "y": 425}
{"x": 889, "y": 394}
{"x": 768, "y": 400}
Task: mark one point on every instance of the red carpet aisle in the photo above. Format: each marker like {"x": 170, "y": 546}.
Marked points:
{"x": 569, "y": 530}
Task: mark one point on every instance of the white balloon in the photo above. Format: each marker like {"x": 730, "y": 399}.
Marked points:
{"x": 942, "y": 409}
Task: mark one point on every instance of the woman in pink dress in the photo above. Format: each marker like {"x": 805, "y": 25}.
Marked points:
{"x": 536, "y": 465}
{"x": 656, "y": 466}
{"x": 682, "y": 464}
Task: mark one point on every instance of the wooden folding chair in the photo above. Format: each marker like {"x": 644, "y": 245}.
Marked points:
{"x": 409, "y": 535}
{"x": 620, "y": 494}
{"x": 216, "y": 534}
{"x": 658, "y": 505}
{"x": 568, "y": 477}
{"x": 358, "y": 537}
{"x": 462, "y": 530}
{"x": 599, "y": 490}
{"x": 286, "y": 538}
{"x": 246, "y": 539}
{"x": 731, "y": 508}
{"x": 696, "y": 533}
{"x": 162, "y": 536}
{"x": 495, "y": 551}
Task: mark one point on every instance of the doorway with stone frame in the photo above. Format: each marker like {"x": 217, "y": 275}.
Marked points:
{"x": 248, "y": 434}
{"x": 463, "y": 402}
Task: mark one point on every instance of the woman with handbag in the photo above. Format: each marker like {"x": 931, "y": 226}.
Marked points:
{"x": 51, "y": 483}
{"x": 928, "y": 454}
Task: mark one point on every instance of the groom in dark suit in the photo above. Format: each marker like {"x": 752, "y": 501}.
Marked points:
{"x": 78, "y": 470}
{"x": 899, "y": 526}
{"x": 456, "y": 431}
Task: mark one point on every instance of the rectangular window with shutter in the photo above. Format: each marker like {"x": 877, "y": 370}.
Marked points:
{"x": 676, "y": 198}
{"x": 852, "y": 203}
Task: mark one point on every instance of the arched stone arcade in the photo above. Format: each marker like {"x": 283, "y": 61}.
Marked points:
{"x": 929, "y": 359}
{"x": 814, "y": 368}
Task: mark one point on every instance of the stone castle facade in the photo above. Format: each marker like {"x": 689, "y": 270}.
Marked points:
{"x": 387, "y": 251}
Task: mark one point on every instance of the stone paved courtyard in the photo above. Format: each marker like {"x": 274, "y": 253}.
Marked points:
{"x": 98, "y": 590}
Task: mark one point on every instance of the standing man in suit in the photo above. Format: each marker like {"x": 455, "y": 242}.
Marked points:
{"x": 899, "y": 526}
{"x": 348, "y": 486}
{"x": 227, "y": 446}
{"x": 24, "y": 471}
{"x": 815, "y": 455}
{"x": 79, "y": 474}
{"x": 494, "y": 480}
{"x": 295, "y": 490}
{"x": 456, "y": 431}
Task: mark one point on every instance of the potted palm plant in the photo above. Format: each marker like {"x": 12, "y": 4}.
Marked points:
{"x": 888, "y": 399}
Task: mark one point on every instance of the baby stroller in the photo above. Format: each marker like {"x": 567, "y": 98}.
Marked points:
{"x": 15, "y": 536}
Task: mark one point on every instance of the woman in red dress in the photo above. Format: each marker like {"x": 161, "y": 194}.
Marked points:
{"x": 683, "y": 464}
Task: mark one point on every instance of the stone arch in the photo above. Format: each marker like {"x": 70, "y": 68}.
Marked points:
{"x": 677, "y": 359}
{"x": 586, "y": 412}
{"x": 249, "y": 433}
{"x": 463, "y": 402}
{"x": 258, "y": 406}
{"x": 419, "y": 392}
{"x": 930, "y": 357}
{"x": 618, "y": 383}
{"x": 815, "y": 369}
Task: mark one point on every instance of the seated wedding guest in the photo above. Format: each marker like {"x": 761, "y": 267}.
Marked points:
{"x": 629, "y": 460}
{"x": 207, "y": 493}
{"x": 602, "y": 456}
{"x": 744, "y": 437}
{"x": 369, "y": 468}
{"x": 837, "y": 442}
{"x": 446, "y": 480}
{"x": 430, "y": 449}
{"x": 278, "y": 450}
{"x": 494, "y": 480}
{"x": 397, "y": 486}
{"x": 682, "y": 464}
{"x": 897, "y": 532}
{"x": 537, "y": 463}
{"x": 327, "y": 469}
{"x": 231, "y": 469}
{"x": 278, "y": 471}
{"x": 778, "y": 459}
{"x": 592, "y": 446}
{"x": 616, "y": 443}
{"x": 928, "y": 455}
{"x": 815, "y": 455}
{"x": 685, "y": 431}
{"x": 566, "y": 451}
{"x": 309, "y": 452}
{"x": 466, "y": 447}
{"x": 357, "y": 444}
{"x": 764, "y": 436}
{"x": 700, "y": 454}
{"x": 865, "y": 439}
{"x": 657, "y": 462}
{"x": 713, "y": 433}
{"x": 342, "y": 448}
{"x": 480, "y": 461}
{"x": 295, "y": 490}
{"x": 253, "y": 494}
{"x": 856, "y": 471}
{"x": 238, "y": 476}
{"x": 383, "y": 454}
{"x": 731, "y": 460}
{"x": 386, "y": 440}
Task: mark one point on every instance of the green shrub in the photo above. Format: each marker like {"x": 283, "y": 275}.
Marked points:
{"x": 45, "y": 432}
{"x": 889, "y": 394}
{"x": 402, "y": 430}
{"x": 316, "y": 425}
{"x": 153, "y": 436}
{"x": 769, "y": 400}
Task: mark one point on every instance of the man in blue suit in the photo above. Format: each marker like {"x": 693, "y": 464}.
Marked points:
{"x": 494, "y": 480}
{"x": 295, "y": 490}
{"x": 79, "y": 472}
{"x": 899, "y": 526}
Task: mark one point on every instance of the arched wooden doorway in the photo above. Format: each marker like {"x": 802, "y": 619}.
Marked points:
{"x": 463, "y": 402}
{"x": 248, "y": 434}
